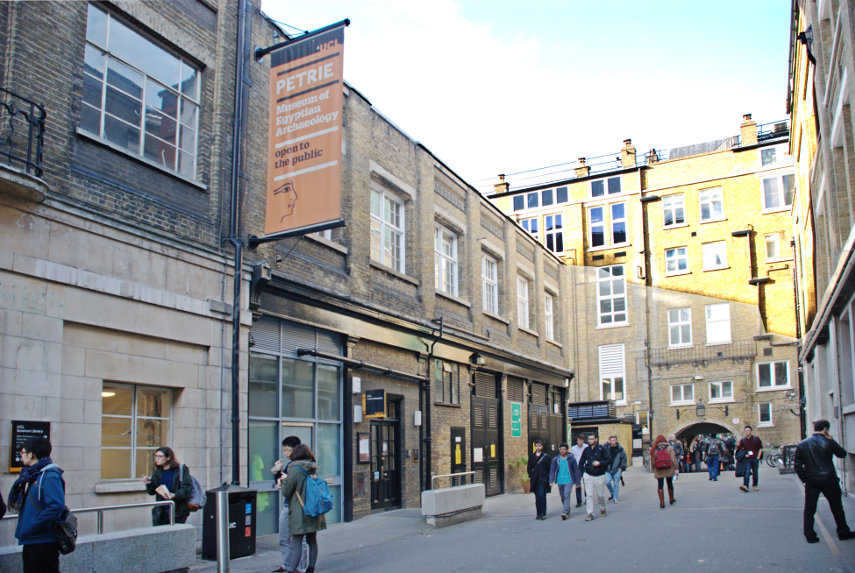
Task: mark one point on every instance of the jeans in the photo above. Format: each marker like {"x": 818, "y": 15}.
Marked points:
{"x": 595, "y": 490}
{"x": 297, "y": 551}
{"x": 564, "y": 491}
{"x": 613, "y": 483}
{"x": 751, "y": 467}
{"x": 41, "y": 557}
{"x": 285, "y": 539}
{"x": 830, "y": 488}
{"x": 540, "y": 497}
{"x": 578, "y": 495}
{"x": 713, "y": 466}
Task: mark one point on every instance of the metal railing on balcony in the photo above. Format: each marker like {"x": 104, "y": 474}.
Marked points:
{"x": 22, "y": 130}
{"x": 701, "y": 354}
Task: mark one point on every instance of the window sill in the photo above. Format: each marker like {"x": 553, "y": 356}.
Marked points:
{"x": 777, "y": 260}
{"x": 718, "y": 343}
{"x": 119, "y": 486}
{"x": 722, "y": 401}
{"x": 766, "y": 425}
{"x": 788, "y": 387}
{"x": 140, "y": 159}
{"x": 711, "y": 269}
{"x": 719, "y": 220}
{"x": 447, "y": 404}
{"x": 613, "y": 325}
{"x": 773, "y": 210}
{"x": 677, "y": 273}
{"x": 327, "y": 243}
{"x": 609, "y": 247}
{"x": 555, "y": 343}
{"x": 496, "y": 317}
{"x": 453, "y": 298}
{"x": 675, "y": 226}
{"x": 528, "y": 331}
{"x": 679, "y": 346}
{"x": 681, "y": 404}
{"x": 393, "y": 272}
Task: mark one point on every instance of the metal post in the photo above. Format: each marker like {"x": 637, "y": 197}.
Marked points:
{"x": 222, "y": 519}
{"x": 100, "y": 528}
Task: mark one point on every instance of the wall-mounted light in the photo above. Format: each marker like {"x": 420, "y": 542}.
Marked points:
{"x": 107, "y": 394}
{"x": 476, "y": 359}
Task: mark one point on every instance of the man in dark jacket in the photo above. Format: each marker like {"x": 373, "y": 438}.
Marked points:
{"x": 616, "y": 467}
{"x": 753, "y": 448}
{"x": 815, "y": 467}
{"x": 39, "y": 495}
{"x": 594, "y": 465}
{"x": 538, "y": 473}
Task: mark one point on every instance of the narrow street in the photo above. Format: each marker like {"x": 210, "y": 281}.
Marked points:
{"x": 712, "y": 527}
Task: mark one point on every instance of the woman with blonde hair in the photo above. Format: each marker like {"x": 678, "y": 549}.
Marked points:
{"x": 663, "y": 464}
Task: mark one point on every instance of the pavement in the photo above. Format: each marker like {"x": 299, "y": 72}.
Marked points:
{"x": 713, "y": 527}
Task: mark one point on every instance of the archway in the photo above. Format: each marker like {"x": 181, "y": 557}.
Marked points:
{"x": 688, "y": 434}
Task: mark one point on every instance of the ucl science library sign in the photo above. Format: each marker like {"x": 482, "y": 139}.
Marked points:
{"x": 304, "y": 155}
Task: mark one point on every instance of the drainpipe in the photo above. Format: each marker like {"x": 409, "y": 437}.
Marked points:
{"x": 647, "y": 290}
{"x": 426, "y": 440}
{"x": 799, "y": 369}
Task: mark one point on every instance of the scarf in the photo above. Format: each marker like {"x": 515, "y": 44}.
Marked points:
{"x": 28, "y": 476}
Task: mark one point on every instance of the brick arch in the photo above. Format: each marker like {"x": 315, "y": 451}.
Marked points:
{"x": 705, "y": 427}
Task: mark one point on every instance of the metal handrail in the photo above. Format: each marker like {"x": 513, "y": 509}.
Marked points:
{"x": 101, "y": 509}
{"x": 15, "y": 109}
{"x": 451, "y": 475}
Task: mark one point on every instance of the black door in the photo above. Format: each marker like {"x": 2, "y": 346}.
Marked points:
{"x": 458, "y": 455}
{"x": 385, "y": 463}
{"x": 486, "y": 432}
{"x": 538, "y": 419}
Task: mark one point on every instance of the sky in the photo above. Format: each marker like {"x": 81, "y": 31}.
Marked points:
{"x": 499, "y": 86}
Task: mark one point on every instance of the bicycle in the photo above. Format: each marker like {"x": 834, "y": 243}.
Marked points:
{"x": 773, "y": 457}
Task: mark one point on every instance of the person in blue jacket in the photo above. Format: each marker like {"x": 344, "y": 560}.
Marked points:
{"x": 564, "y": 471}
{"x": 39, "y": 497}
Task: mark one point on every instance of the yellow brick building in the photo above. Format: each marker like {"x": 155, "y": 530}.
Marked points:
{"x": 681, "y": 272}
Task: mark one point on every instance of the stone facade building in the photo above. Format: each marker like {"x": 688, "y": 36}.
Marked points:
{"x": 819, "y": 100}
{"x": 681, "y": 282}
{"x": 117, "y": 274}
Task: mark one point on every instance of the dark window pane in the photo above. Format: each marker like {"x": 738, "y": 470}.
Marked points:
{"x": 561, "y": 195}
{"x": 161, "y": 98}
{"x": 597, "y": 237}
{"x": 614, "y": 185}
{"x": 519, "y": 202}
{"x": 597, "y": 188}
{"x": 160, "y": 152}
{"x": 123, "y": 106}
{"x": 94, "y": 62}
{"x": 533, "y": 200}
{"x": 90, "y": 120}
{"x": 158, "y": 124}
{"x": 122, "y": 134}
{"x": 124, "y": 78}
{"x": 546, "y": 197}
{"x": 619, "y": 232}
{"x": 559, "y": 242}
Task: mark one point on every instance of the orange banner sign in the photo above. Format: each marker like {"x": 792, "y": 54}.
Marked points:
{"x": 304, "y": 161}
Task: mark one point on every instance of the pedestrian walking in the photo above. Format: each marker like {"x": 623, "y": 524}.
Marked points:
{"x": 663, "y": 464}
{"x": 538, "y": 473}
{"x": 169, "y": 480}
{"x": 595, "y": 463}
{"x": 38, "y": 495}
{"x": 753, "y": 448}
{"x": 577, "y": 451}
{"x": 678, "y": 449}
{"x": 564, "y": 472}
{"x": 302, "y": 525}
{"x": 280, "y": 470}
{"x": 698, "y": 451}
{"x": 815, "y": 467}
{"x": 715, "y": 449}
{"x": 616, "y": 468}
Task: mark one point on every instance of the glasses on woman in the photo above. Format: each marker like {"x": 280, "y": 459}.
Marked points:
{"x": 159, "y": 456}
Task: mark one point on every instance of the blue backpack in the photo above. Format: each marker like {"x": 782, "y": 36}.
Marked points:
{"x": 319, "y": 500}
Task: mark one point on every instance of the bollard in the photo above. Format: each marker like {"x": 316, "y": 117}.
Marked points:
{"x": 222, "y": 519}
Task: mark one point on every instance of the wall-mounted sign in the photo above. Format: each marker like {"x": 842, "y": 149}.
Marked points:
{"x": 363, "y": 448}
{"x": 23, "y": 430}
{"x": 374, "y": 403}
{"x": 516, "y": 420}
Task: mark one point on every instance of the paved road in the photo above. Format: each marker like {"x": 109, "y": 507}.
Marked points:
{"x": 713, "y": 527}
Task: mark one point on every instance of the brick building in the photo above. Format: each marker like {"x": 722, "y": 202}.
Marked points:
{"x": 819, "y": 100}
{"x": 681, "y": 282}
{"x": 117, "y": 278}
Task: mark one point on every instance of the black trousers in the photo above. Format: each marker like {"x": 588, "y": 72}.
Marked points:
{"x": 830, "y": 488}
{"x": 41, "y": 558}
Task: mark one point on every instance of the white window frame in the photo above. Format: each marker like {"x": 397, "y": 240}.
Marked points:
{"x": 674, "y": 205}
{"x": 779, "y": 193}
{"x": 490, "y": 283}
{"x": 553, "y": 230}
{"x": 774, "y": 240}
{"x": 606, "y": 191}
{"x": 714, "y": 255}
{"x": 683, "y": 400}
{"x": 387, "y": 230}
{"x": 523, "y": 307}
{"x": 718, "y": 322}
{"x": 711, "y": 197}
{"x": 185, "y": 139}
{"x": 766, "y": 152}
{"x": 549, "y": 315}
{"x": 608, "y": 277}
{"x": 675, "y": 258}
{"x": 773, "y": 367}
{"x": 445, "y": 260}
{"x": 761, "y": 406}
{"x": 609, "y": 221}
{"x": 531, "y": 225}
{"x": 612, "y": 368}
{"x": 678, "y": 320}
{"x": 723, "y": 396}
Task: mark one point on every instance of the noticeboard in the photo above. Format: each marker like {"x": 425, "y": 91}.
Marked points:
{"x": 516, "y": 420}
{"x": 23, "y": 430}
{"x": 374, "y": 403}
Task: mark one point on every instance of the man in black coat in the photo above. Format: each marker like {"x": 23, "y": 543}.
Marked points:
{"x": 815, "y": 467}
{"x": 538, "y": 473}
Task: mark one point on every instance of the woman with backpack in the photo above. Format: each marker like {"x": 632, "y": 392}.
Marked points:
{"x": 663, "y": 464}
{"x": 294, "y": 488}
{"x": 169, "y": 480}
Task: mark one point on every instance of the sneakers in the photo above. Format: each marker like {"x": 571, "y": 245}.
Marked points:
{"x": 603, "y": 512}
{"x": 743, "y": 487}
{"x": 589, "y": 517}
{"x": 563, "y": 516}
{"x": 756, "y": 488}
